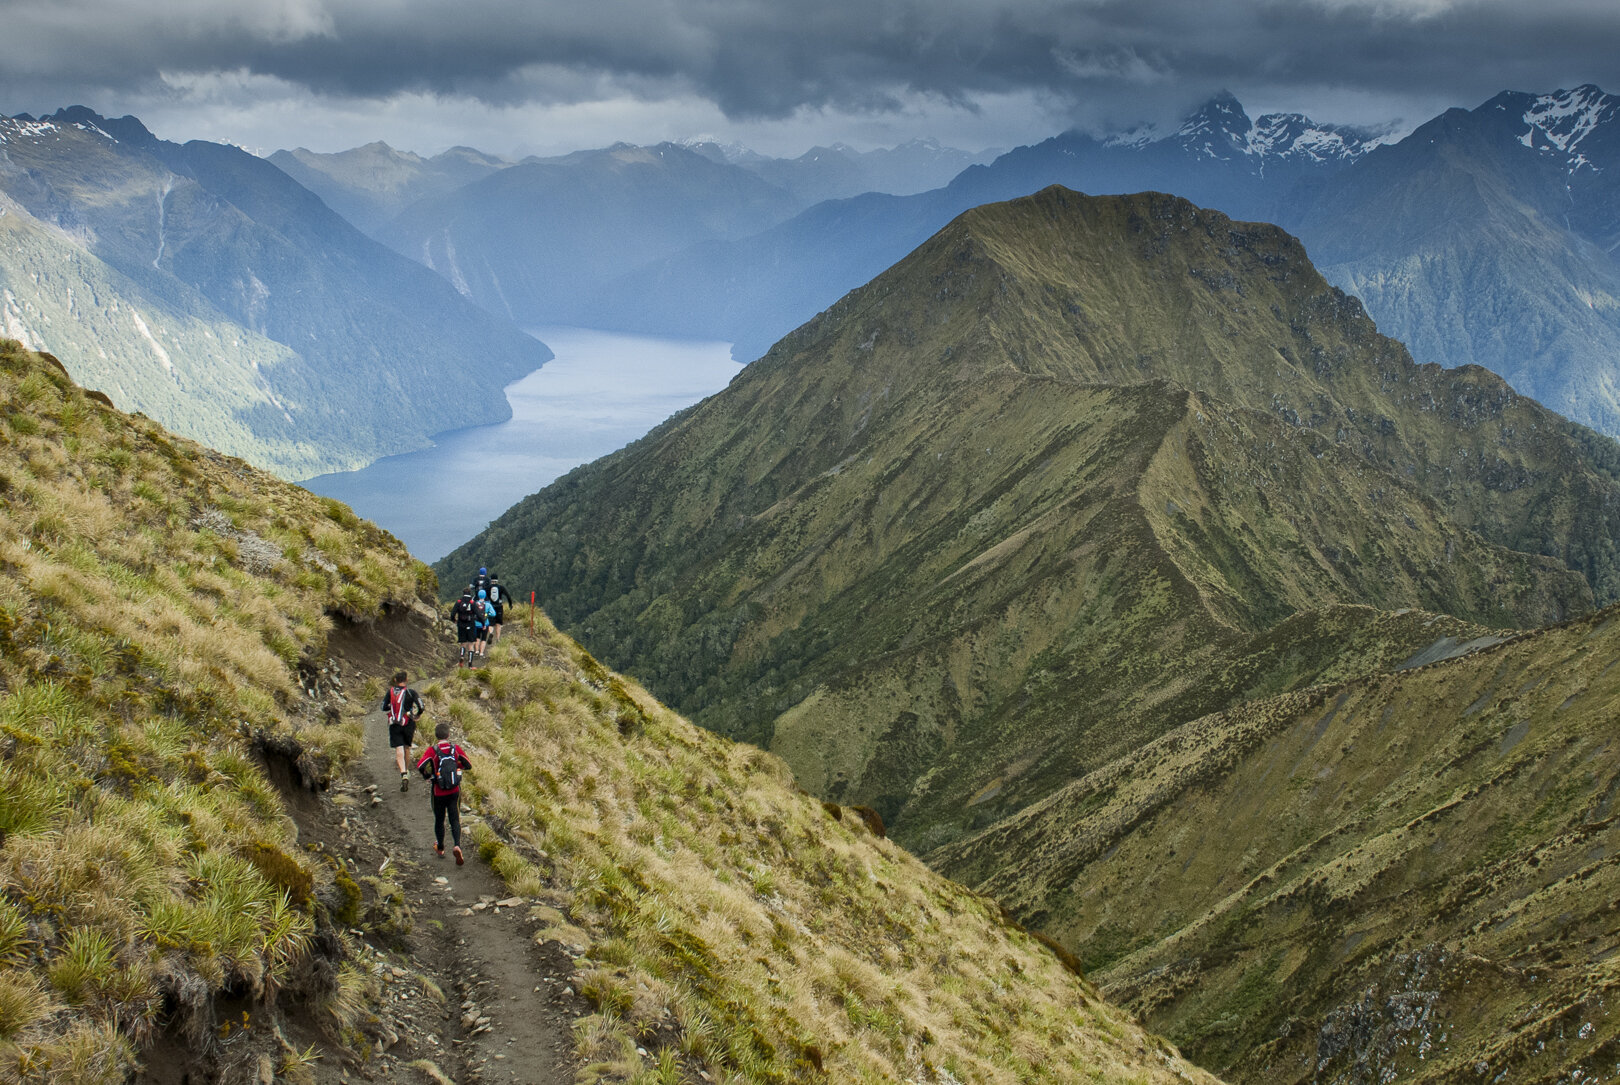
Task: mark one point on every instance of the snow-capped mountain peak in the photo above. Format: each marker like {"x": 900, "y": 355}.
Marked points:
{"x": 712, "y": 147}
{"x": 1560, "y": 121}
{"x": 1221, "y": 129}
{"x": 1218, "y": 130}
{"x": 1222, "y": 113}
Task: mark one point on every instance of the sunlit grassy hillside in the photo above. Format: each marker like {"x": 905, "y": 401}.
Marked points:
{"x": 1409, "y": 876}
{"x": 156, "y": 603}
{"x": 162, "y": 609}
{"x": 762, "y": 935}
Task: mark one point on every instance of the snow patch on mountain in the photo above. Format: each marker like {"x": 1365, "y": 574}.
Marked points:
{"x": 1293, "y": 135}
{"x": 714, "y": 149}
{"x": 24, "y": 127}
{"x": 1135, "y": 137}
{"x": 1222, "y": 129}
{"x": 1562, "y": 120}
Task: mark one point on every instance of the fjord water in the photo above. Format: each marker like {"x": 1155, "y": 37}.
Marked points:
{"x": 602, "y": 391}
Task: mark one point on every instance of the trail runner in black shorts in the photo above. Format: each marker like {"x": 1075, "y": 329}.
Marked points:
{"x": 402, "y": 706}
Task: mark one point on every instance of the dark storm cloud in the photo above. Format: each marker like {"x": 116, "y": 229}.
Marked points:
{"x": 767, "y": 58}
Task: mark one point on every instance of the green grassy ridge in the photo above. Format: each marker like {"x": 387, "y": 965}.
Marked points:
{"x": 1034, "y": 564}
{"x": 1275, "y": 886}
{"x": 157, "y": 601}
{"x": 1105, "y": 289}
{"x": 1069, "y": 451}
{"x": 1307, "y": 649}
{"x": 734, "y": 924}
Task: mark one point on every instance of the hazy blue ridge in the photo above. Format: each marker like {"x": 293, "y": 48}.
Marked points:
{"x": 264, "y": 321}
{"x": 533, "y": 241}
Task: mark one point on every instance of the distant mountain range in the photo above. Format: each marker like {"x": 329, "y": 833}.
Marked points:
{"x": 373, "y": 184}
{"x": 1484, "y": 237}
{"x": 539, "y": 240}
{"x": 370, "y": 185}
{"x": 534, "y": 241}
{"x": 201, "y": 285}
{"x": 753, "y": 291}
{"x": 839, "y": 171}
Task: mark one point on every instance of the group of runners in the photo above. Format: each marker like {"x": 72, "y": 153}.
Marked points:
{"x": 478, "y": 615}
{"x": 441, "y": 764}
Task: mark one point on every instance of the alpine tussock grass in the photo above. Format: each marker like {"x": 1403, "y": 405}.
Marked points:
{"x": 731, "y": 923}
{"x": 155, "y": 601}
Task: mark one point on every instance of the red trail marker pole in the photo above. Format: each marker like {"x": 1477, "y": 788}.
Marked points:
{"x": 531, "y": 612}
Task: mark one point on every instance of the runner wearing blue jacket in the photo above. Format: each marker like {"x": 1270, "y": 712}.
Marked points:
{"x": 483, "y": 615}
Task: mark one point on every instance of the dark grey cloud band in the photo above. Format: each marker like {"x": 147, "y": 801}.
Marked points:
{"x": 768, "y": 58}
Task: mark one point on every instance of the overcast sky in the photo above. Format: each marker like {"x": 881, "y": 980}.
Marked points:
{"x": 522, "y": 76}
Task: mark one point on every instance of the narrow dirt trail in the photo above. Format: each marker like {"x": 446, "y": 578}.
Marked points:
{"x": 461, "y": 991}
{"x": 509, "y": 1002}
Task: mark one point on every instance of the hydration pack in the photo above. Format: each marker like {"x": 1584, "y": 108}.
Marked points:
{"x": 396, "y": 705}
{"x": 447, "y": 768}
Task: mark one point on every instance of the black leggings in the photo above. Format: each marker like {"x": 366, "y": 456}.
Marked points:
{"x": 447, "y": 804}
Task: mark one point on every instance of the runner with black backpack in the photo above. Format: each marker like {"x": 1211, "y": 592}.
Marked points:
{"x": 443, "y": 763}
{"x": 402, "y": 706}
{"x": 464, "y": 615}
